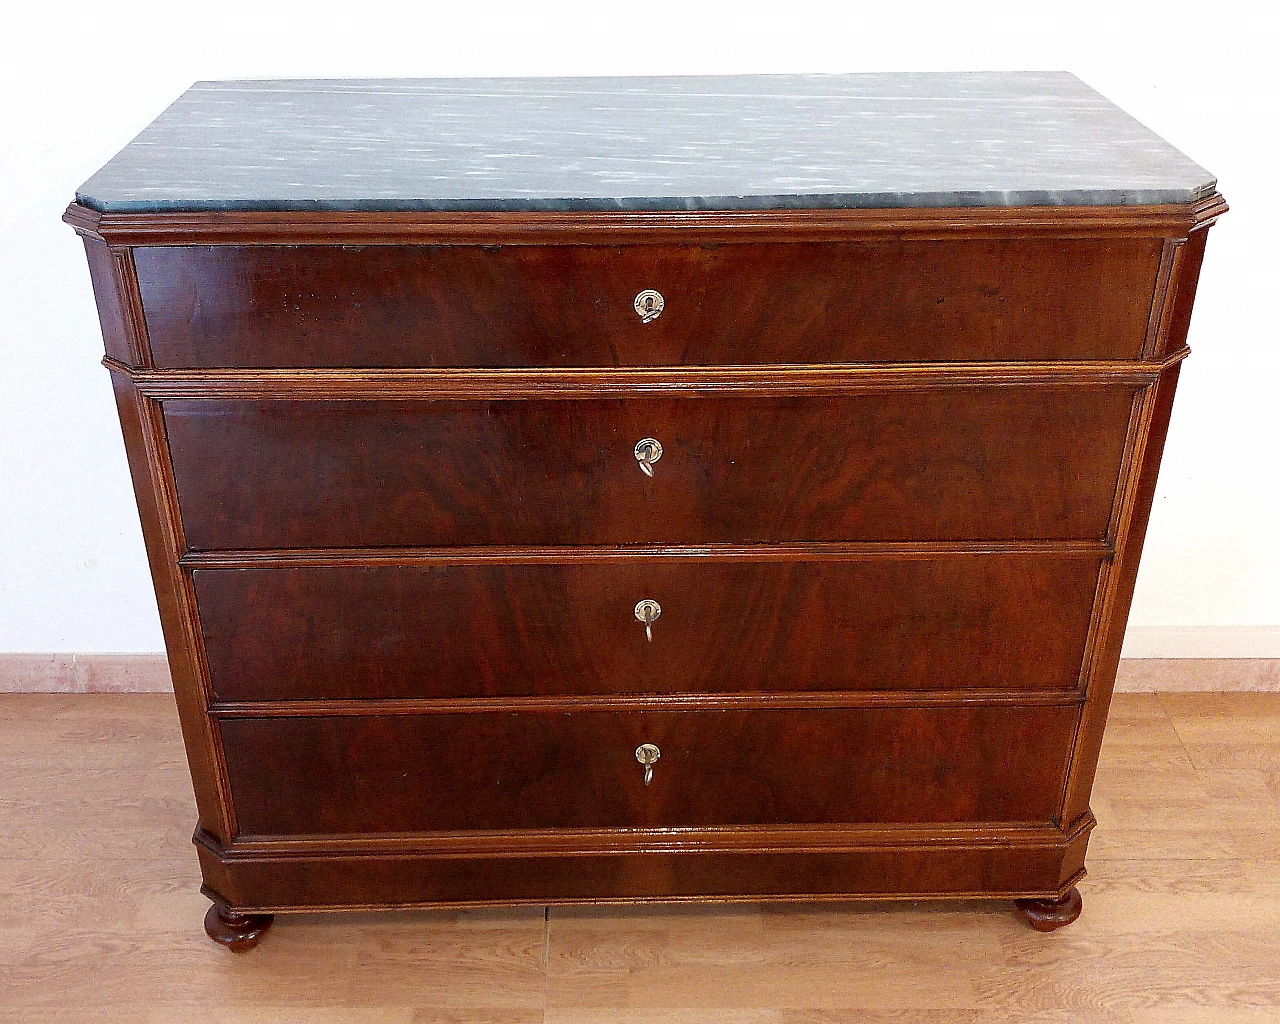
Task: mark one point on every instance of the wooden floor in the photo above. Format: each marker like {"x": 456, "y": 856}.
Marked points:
{"x": 100, "y": 914}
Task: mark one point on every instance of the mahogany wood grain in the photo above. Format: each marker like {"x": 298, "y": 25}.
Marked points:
{"x": 1179, "y": 321}
{"x": 762, "y": 700}
{"x": 948, "y": 871}
{"x": 501, "y": 384}
{"x": 573, "y": 842}
{"x": 1170, "y": 256}
{"x": 563, "y": 770}
{"x": 937, "y": 464}
{"x": 440, "y": 629}
{"x": 461, "y": 445}
{"x": 507, "y": 554}
{"x": 143, "y": 442}
{"x": 117, "y": 334}
{"x": 891, "y": 300}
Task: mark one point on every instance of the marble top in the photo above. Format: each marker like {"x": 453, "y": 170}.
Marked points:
{"x": 700, "y": 143}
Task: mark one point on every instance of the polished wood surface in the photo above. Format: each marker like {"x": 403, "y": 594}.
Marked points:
{"x": 569, "y": 627}
{"x": 1051, "y": 914}
{"x": 564, "y": 770}
{"x": 101, "y": 907}
{"x": 980, "y": 299}
{"x": 952, "y": 869}
{"x": 238, "y": 932}
{"x": 117, "y": 339}
{"x": 490, "y": 474}
{"x": 142, "y": 428}
{"x": 948, "y": 463}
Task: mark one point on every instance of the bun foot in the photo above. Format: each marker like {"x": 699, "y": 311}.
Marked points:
{"x": 1046, "y": 915}
{"x": 238, "y": 932}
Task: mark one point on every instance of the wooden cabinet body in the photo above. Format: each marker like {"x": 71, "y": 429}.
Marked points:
{"x": 398, "y": 530}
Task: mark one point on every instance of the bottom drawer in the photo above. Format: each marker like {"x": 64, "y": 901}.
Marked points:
{"x": 517, "y": 770}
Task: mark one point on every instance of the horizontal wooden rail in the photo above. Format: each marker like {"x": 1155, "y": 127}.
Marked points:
{"x": 527, "y": 383}
{"x": 760, "y": 839}
{"x": 817, "y": 551}
{"x": 653, "y": 702}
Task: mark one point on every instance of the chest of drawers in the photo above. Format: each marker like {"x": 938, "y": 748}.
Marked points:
{"x": 697, "y": 505}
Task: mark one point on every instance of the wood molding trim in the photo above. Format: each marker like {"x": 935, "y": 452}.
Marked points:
{"x": 620, "y": 227}
{"x": 499, "y": 384}
{"x": 386, "y": 707}
{"x": 861, "y": 896}
{"x": 813, "y": 551}
{"x": 590, "y": 841}
{"x": 152, "y": 473}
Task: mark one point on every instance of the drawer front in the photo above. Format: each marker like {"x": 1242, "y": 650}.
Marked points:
{"x": 559, "y": 770}
{"x": 966, "y": 621}
{"x": 983, "y": 299}
{"x": 935, "y": 464}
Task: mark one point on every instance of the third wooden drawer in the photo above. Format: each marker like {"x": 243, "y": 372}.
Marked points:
{"x": 1009, "y": 621}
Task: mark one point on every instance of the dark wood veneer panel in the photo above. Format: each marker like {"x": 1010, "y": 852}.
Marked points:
{"x": 307, "y": 881}
{"x": 1184, "y": 297}
{"x": 111, "y": 315}
{"x": 567, "y": 305}
{"x": 552, "y": 770}
{"x": 935, "y": 464}
{"x": 341, "y": 632}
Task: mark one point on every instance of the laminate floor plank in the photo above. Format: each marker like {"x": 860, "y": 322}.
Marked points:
{"x": 100, "y": 911}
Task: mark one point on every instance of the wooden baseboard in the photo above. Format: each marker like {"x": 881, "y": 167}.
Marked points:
{"x": 1186, "y": 675}
{"x": 84, "y": 673}
{"x": 149, "y": 673}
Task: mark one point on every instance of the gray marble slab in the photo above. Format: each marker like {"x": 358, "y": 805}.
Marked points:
{"x": 703, "y": 143}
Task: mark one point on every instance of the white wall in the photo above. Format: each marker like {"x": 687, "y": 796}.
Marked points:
{"x": 78, "y": 81}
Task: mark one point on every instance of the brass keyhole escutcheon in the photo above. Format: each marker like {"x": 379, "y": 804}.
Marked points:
{"x": 649, "y": 305}
{"x": 647, "y": 754}
{"x": 647, "y": 611}
{"x": 648, "y": 451}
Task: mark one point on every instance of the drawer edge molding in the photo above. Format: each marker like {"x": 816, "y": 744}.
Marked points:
{"x": 810, "y": 551}
{"x": 516, "y": 383}
{"x": 755, "y": 895}
{"x": 762, "y": 839}
{"x": 641, "y": 702}
{"x": 634, "y": 227}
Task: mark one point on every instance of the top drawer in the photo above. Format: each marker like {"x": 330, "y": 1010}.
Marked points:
{"x": 574, "y": 305}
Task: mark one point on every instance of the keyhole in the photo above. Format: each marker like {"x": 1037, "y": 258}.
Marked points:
{"x": 647, "y": 611}
{"x": 648, "y": 305}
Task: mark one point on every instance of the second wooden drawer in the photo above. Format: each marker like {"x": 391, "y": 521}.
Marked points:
{"x": 935, "y": 463}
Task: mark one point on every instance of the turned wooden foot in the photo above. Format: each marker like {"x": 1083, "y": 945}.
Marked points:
{"x": 238, "y": 932}
{"x": 1046, "y": 915}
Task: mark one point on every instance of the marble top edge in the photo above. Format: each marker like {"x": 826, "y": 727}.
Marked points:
{"x": 657, "y": 143}
{"x": 727, "y": 84}
{"x": 673, "y": 204}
